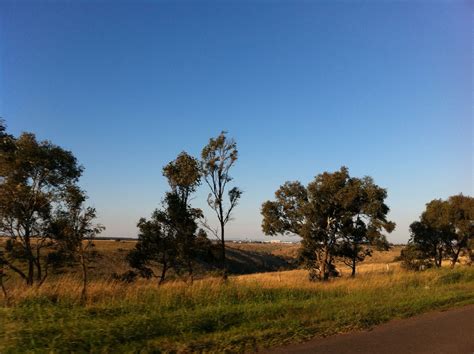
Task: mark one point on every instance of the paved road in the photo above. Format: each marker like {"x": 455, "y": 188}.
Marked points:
{"x": 449, "y": 332}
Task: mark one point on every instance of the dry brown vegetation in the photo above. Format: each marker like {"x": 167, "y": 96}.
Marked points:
{"x": 245, "y": 313}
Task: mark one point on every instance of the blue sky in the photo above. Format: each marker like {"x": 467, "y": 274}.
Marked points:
{"x": 382, "y": 87}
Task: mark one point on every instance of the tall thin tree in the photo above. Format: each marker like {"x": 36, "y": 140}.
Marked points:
{"x": 218, "y": 157}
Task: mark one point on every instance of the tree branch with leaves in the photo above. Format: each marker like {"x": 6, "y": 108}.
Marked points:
{"x": 217, "y": 159}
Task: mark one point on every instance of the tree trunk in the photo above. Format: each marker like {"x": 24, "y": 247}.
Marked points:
{"x": 224, "y": 263}
{"x": 42, "y": 280}
{"x": 31, "y": 272}
{"x": 39, "y": 272}
{"x": 354, "y": 260}
{"x": 17, "y": 270}
{"x": 438, "y": 256}
{"x": 31, "y": 260}
{"x": 2, "y": 285}
{"x": 324, "y": 264}
{"x": 454, "y": 260}
{"x": 84, "y": 277}
{"x": 163, "y": 272}
{"x": 190, "y": 269}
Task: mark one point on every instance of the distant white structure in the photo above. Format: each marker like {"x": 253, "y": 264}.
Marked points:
{"x": 275, "y": 241}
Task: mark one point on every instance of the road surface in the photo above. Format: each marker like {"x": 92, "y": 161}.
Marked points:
{"x": 448, "y": 332}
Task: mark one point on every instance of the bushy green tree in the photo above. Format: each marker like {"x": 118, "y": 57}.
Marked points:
{"x": 364, "y": 225}
{"x": 461, "y": 218}
{"x": 445, "y": 229}
{"x": 184, "y": 175}
{"x": 413, "y": 258}
{"x": 155, "y": 248}
{"x": 33, "y": 177}
{"x": 170, "y": 239}
{"x": 336, "y": 215}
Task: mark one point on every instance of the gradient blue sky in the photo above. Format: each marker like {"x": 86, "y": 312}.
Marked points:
{"x": 382, "y": 87}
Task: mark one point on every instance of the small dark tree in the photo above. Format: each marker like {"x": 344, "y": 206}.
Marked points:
{"x": 413, "y": 258}
{"x": 169, "y": 239}
{"x": 154, "y": 249}
{"x": 461, "y": 218}
{"x": 429, "y": 242}
{"x": 73, "y": 230}
{"x": 445, "y": 229}
{"x": 218, "y": 157}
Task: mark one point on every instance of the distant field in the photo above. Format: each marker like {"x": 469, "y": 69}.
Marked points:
{"x": 243, "y": 258}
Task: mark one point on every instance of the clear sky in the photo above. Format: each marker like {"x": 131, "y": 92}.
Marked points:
{"x": 382, "y": 87}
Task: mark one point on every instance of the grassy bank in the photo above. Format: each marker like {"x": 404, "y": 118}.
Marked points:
{"x": 248, "y": 312}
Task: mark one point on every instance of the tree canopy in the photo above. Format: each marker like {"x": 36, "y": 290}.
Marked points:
{"x": 34, "y": 175}
{"x": 170, "y": 239}
{"x": 445, "y": 229}
{"x": 336, "y": 215}
{"x": 217, "y": 158}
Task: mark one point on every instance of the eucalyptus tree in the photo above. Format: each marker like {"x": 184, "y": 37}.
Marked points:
{"x": 217, "y": 158}
{"x": 461, "y": 217}
{"x": 170, "y": 239}
{"x": 445, "y": 229}
{"x": 154, "y": 249}
{"x": 73, "y": 230}
{"x": 184, "y": 175}
{"x": 336, "y": 215}
{"x": 429, "y": 236}
{"x": 33, "y": 177}
{"x": 364, "y": 226}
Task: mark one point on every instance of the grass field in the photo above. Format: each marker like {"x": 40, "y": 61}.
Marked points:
{"x": 246, "y": 313}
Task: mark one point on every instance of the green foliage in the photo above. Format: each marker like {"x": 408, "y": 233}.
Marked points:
{"x": 171, "y": 239}
{"x": 445, "y": 229}
{"x": 336, "y": 215}
{"x": 33, "y": 176}
{"x": 183, "y": 175}
{"x": 73, "y": 230}
{"x": 413, "y": 258}
{"x": 217, "y": 158}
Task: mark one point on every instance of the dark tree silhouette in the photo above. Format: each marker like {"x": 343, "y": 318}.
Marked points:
{"x": 171, "y": 239}
{"x": 445, "y": 229}
{"x": 73, "y": 230}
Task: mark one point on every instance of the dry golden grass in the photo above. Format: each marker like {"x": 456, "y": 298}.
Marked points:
{"x": 377, "y": 271}
{"x": 109, "y": 291}
{"x": 245, "y": 313}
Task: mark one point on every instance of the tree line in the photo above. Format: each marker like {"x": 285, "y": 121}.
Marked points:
{"x": 44, "y": 216}
{"x": 48, "y": 226}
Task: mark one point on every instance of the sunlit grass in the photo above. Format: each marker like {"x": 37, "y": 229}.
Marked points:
{"x": 247, "y": 312}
